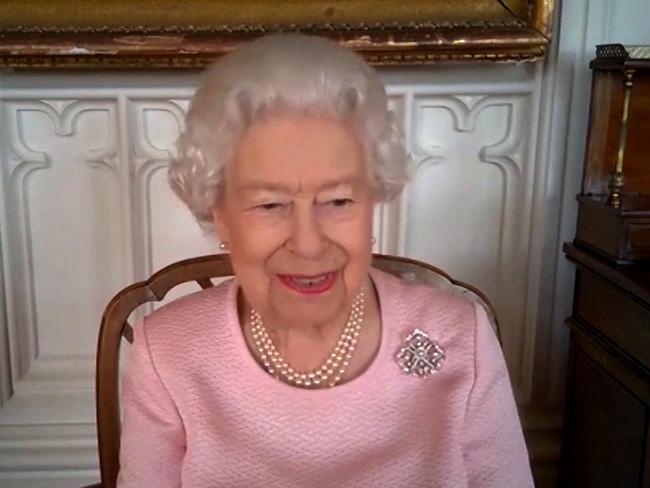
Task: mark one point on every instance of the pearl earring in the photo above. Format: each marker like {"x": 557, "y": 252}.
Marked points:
{"x": 223, "y": 246}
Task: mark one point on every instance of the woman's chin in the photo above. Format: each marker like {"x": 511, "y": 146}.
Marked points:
{"x": 298, "y": 301}
{"x": 297, "y": 309}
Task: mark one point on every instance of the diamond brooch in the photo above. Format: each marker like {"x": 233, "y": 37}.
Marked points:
{"x": 421, "y": 356}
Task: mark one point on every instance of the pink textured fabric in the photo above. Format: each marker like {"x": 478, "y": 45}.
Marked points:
{"x": 199, "y": 411}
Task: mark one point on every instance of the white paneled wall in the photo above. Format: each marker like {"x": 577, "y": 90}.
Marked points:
{"x": 470, "y": 198}
{"x": 85, "y": 210}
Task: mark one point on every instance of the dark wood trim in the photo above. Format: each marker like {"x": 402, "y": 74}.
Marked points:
{"x": 633, "y": 282}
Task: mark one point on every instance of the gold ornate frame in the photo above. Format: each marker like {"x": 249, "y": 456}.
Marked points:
{"x": 191, "y": 33}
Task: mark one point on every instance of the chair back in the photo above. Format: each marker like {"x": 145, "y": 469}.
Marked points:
{"x": 202, "y": 270}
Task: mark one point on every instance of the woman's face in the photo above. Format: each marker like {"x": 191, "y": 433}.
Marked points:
{"x": 296, "y": 213}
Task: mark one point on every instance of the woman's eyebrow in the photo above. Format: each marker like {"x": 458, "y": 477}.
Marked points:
{"x": 339, "y": 184}
{"x": 256, "y": 186}
{"x": 346, "y": 183}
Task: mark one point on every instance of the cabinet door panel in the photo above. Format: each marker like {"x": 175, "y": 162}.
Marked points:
{"x": 606, "y": 430}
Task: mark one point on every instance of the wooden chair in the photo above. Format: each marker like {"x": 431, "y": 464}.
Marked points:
{"x": 115, "y": 326}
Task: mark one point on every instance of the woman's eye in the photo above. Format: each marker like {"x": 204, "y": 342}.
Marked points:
{"x": 340, "y": 202}
{"x": 271, "y": 206}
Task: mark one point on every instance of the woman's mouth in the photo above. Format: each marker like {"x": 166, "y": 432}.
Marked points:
{"x": 309, "y": 285}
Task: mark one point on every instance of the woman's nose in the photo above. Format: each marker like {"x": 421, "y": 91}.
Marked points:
{"x": 307, "y": 239}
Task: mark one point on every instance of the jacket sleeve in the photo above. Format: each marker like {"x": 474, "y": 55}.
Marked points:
{"x": 494, "y": 448}
{"x": 153, "y": 437}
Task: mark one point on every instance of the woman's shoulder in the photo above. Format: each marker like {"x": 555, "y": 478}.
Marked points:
{"x": 448, "y": 315}
{"x": 189, "y": 313}
{"x": 419, "y": 299}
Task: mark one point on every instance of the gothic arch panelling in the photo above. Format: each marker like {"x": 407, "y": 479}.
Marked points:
{"x": 52, "y": 136}
{"x": 453, "y": 137}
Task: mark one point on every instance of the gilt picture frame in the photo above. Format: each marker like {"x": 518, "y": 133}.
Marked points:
{"x": 189, "y": 34}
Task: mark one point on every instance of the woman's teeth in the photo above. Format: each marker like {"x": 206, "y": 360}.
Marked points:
{"x": 309, "y": 281}
{"x": 310, "y": 284}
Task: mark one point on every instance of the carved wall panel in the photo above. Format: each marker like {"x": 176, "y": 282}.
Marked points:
{"x": 62, "y": 189}
{"x": 88, "y": 210}
{"x": 62, "y": 239}
{"x": 469, "y": 153}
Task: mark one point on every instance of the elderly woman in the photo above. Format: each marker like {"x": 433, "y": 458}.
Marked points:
{"x": 290, "y": 374}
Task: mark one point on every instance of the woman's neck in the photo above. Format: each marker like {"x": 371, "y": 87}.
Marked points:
{"x": 307, "y": 346}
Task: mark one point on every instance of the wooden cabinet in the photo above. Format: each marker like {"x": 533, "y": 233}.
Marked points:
{"x": 607, "y": 422}
{"x": 614, "y": 201}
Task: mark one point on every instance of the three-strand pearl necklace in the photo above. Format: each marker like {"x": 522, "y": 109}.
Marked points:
{"x": 331, "y": 371}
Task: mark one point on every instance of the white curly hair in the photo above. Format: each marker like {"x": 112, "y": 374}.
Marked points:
{"x": 293, "y": 72}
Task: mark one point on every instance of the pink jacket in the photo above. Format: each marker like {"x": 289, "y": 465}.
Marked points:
{"x": 199, "y": 412}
